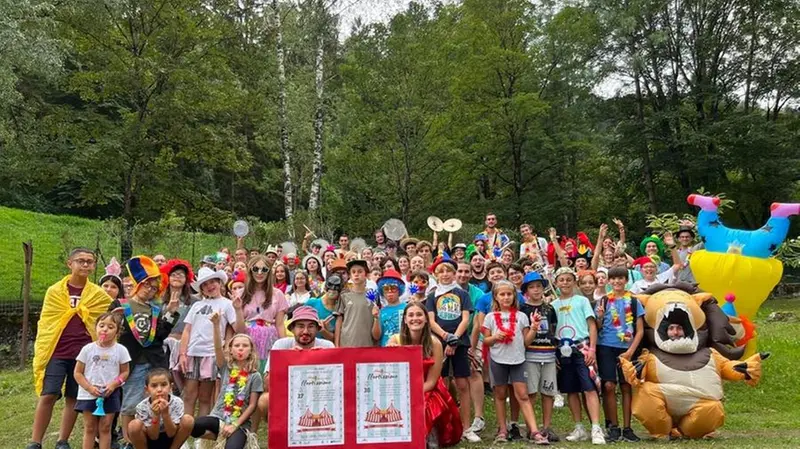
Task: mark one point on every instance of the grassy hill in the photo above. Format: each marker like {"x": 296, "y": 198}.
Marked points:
{"x": 54, "y": 235}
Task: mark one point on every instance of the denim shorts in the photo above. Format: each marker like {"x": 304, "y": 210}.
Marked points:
{"x": 133, "y": 390}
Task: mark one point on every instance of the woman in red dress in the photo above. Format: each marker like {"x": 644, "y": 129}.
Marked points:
{"x": 442, "y": 420}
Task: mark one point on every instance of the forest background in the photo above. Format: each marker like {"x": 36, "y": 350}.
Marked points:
{"x": 193, "y": 113}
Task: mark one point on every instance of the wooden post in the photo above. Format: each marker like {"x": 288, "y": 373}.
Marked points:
{"x": 27, "y": 248}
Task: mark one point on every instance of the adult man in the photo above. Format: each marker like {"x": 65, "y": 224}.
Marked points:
{"x": 354, "y": 325}
{"x": 304, "y": 326}
{"x": 66, "y": 325}
{"x": 380, "y": 239}
{"x": 159, "y": 259}
{"x": 344, "y": 243}
{"x": 463, "y": 276}
{"x": 478, "y": 265}
{"x": 495, "y": 239}
{"x": 532, "y": 246}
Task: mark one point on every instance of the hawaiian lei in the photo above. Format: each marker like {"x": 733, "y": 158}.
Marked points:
{"x": 625, "y": 333}
{"x": 155, "y": 311}
{"x": 512, "y": 325}
{"x": 234, "y": 395}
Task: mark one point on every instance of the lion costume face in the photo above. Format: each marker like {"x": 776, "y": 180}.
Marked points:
{"x": 704, "y": 323}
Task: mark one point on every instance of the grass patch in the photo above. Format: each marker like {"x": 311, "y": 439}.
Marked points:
{"x": 54, "y": 235}
{"x": 766, "y": 416}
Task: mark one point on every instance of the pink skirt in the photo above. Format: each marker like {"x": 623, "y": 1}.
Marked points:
{"x": 264, "y": 336}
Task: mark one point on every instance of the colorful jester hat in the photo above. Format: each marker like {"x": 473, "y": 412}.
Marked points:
{"x": 440, "y": 259}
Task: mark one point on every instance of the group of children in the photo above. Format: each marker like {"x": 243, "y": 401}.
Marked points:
{"x": 208, "y": 337}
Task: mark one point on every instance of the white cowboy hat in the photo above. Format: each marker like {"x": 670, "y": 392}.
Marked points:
{"x": 206, "y": 274}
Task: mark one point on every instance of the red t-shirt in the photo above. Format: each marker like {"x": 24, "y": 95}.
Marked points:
{"x": 75, "y": 335}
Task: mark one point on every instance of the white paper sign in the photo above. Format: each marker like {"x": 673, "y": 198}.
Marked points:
{"x": 383, "y": 403}
{"x": 316, "y": 405}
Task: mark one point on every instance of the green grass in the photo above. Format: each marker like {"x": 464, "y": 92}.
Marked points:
{"x": 54, "y": 235}
{"x": 766, "y": 416}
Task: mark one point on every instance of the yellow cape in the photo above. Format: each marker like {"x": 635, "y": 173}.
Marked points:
{"x": 56, "y": 313}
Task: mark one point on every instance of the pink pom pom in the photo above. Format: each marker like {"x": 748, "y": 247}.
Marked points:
{"x": 730, "y": 297}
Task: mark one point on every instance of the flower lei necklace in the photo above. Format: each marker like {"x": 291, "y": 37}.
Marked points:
{"x": 234, "y": 395}
{"x": 512, "y": 325}
{"x": 624, "y": 333}
{"x": 155, "y": 311}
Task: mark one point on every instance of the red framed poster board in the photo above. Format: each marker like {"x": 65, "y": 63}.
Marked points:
{"x": 368, "y": 398}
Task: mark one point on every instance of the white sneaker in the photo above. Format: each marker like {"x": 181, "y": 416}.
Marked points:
{"x": 470, "y": 436}
{"x": 559, "y": 401}
{"x": 478, "y": 424}
{"x": 578, "y": 434}
{"x": 597, "y": 436}
{"x": 185, "y": 445}
{"x": 198, "y": 443}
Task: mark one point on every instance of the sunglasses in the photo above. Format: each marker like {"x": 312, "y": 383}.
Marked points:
{"x": 257, "y": 270}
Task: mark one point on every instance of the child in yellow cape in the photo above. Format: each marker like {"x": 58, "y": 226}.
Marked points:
{"x": 66, "y": 324}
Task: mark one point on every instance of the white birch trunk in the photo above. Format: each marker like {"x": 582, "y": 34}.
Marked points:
{"x": 319, "y": 124}
{"x": 282, "y": 115}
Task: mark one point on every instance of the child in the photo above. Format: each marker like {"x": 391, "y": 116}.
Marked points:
{"x": 100, "y": 370}
{"x": 602, "y": 281}
{"x": 354, "y": 328}
{"x": 649, "y": 265}
{"x": 197, "y": 348}
{"x": 160, "y": 422}
{"x": 587, "y": 284}
{"x": 621, "y": 331}
{"x": 449, "y": 308}
{"x": 66, "y": 324}
{"x": 326, "y": 306}
{"x": 387, "y": 318}
{"x": 507, "y": 332}
{"x": 540, "y": 356}
{"x": 241, "y": 381}
{"x": 577, "y": 332}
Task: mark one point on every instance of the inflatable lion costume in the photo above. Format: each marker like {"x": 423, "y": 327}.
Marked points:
{"x": 678, "y": 381}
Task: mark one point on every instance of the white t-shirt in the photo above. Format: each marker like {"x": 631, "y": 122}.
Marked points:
{"x": 144, "y": 412}
{"x": 642, "y": 284}
{"x": 299, "y": 298}
{"x": 201, "y": 340}
{"x": 512, "y": 353}
{"x": 102, "y": 365}
{"x": 289, "y": 343}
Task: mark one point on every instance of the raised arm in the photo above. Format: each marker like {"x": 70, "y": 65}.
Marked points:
{"x": 560, "y": 253}
{"x": 218, "y": 352}
{"x": 598, "y": 248}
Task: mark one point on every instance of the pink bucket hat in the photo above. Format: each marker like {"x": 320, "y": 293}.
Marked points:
{"x": 303, "y": 313}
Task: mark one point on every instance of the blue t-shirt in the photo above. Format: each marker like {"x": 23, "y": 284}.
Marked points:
{"x": 323, "y": 313}
{"x": 391, "y": 316}
{"x": 572, "y": 314}
{"x": 608, "y": 333}
{"x": 447, "y": 309}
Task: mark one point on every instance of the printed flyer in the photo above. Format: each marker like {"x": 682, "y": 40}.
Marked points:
{"x": 316, "y": 405}
{"x": 383, "y": 403}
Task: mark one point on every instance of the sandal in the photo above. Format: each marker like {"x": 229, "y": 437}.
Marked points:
{"x": 501, "y": 437}
{"x": 539, "y": 439}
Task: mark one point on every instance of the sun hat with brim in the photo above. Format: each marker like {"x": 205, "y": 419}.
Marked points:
{"x": 206, "y": 274}
{"x": 683, "y": 229}
{"x": 354, "y": 262}
{"x": 392, "y": 277}
{"x": 408, "y": 241}
{"x": 303, "y": 313}
{"x": 531, "y": 277}
{"x": 565, "y": 270}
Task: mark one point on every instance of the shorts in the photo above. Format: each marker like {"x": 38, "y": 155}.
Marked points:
{"x": 111, "y": 404}
{"x": 542, "y": 377}
{"x": 573, "y": 377}
{"x": 162, "y": 442}
{"x": 56, "y": 373}
{"x": 459, "y": 361}
{"x": 133, "y": 390}
{"x": 608, "y": 364}
{"x": 203, "y": 369}
{"x": 503, "y": 374}
{"x": 475, "y": 361}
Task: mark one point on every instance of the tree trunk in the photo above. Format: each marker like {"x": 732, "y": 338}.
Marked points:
{"x": 319, "y": 123}
{"x": 282, "y": 114}
{"x": 649, "y": 186}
